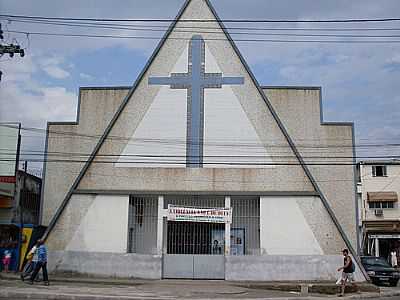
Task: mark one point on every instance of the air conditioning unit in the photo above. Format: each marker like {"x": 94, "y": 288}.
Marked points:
{"x": 379, "y": 212}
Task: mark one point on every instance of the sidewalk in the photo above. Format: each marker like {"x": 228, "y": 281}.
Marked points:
{"x": 105, "y": 289}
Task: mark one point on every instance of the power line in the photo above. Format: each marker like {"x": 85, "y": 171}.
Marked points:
{"x": 183, "y": 162}
{"x": 206, "y": 39}
{"x": 86, "y": 155}
{"x": 272, "y": 144}
{"x": 202, "y": 20}
{"x": 157, "y": 28}
{"x": 261, "y": 34}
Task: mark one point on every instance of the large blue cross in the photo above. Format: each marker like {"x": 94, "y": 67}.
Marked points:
{"x": 195, "y": 81}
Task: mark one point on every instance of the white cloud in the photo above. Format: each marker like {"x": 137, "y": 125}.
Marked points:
{"x": 56, "y": 72}
{"x": 395, "y": 59}
{"x": 52, "y": 66}
{"x": 86, "y": 77}
{"x": 24, "y": 99}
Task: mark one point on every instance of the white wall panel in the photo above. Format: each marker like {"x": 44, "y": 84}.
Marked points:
{"x": 227, "y": 130}
{"x": 104, "y": 228}
{"x": 284, "y": 229}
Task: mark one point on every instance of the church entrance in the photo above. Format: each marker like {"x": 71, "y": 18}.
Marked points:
{"x": 194, "y": 239}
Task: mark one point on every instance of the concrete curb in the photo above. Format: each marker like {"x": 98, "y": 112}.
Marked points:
{"x": 322, "y": 288}
{"x": 65, "y": 296}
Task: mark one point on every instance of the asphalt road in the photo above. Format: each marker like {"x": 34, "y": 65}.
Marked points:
{"x": 161, "y": 290}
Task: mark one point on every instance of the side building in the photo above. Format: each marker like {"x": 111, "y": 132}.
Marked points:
{"x": 379, "y": 190}
{"x": 19, "y": 208}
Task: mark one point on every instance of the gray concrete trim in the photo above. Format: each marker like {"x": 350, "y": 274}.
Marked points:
{"x": 62, "y": 123}
{"x": 223, "y": 193}
{"x": 88, "y": 88}
{"x": 9, "y": 123}
{"x": 328, "y": 123}
{"x": 355, "y": 189}
{"x": 293, "y": 87}
{"x": 110, "y": 125}
{"x": 46, "y": 146}
{"x": 289, "y": 140}
{"x": 380, "y": 162}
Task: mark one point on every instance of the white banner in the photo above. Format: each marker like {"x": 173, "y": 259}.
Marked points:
{"x": 197, "y": 214}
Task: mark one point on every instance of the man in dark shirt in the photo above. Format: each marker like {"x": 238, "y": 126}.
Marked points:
{"x": 41, "y": 263}
{"x": 347, "y": 271}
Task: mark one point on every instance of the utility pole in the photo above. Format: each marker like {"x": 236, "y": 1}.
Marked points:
{"x": 11, "y": 49}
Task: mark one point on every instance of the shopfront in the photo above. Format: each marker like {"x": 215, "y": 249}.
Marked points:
{"x": 382, "y": 245}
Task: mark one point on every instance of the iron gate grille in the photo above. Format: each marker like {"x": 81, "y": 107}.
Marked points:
{"x": 195, "y": 238}
{"x": 245, "y": 227}
{"x": 142, "y": 224}
{"x": 192, "y": 237}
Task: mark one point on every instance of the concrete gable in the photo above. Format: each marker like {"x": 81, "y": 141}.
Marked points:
{"x": 241, "y": 124}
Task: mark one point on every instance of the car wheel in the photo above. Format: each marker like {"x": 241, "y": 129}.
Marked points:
{"x": 394, "y": 282}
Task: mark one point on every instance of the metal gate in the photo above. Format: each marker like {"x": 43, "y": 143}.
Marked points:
{"x": 194, "y": 250}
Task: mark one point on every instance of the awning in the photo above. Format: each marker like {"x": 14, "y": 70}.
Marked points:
{"x": 6, "y": 202}
{"x": 382, "y": 196}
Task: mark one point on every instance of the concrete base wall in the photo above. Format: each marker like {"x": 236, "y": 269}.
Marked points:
{"x": 126, "y": 265}
{"x": 285, "y": 267}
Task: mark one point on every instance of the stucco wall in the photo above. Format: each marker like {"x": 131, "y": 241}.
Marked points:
{"x": 285, "y": 267}
{"x": 300, "y": 112}
{"x": 96, "y": 108}
{"x": 104, "y": 228}
{"x": 92, "y": 223}
{"x": 249, "y": 100}
{"x": 297, "y": 226}
{"x": 106, "y": 264}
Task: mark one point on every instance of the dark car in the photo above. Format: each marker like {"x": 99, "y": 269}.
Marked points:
{"x": 380, "y": 271}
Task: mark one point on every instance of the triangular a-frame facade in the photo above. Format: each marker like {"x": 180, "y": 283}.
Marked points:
{"x": 277, "y": 155}
{"x": 268, "y": 135}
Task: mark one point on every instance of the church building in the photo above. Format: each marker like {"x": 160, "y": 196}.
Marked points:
{"x": 197, "y": 171}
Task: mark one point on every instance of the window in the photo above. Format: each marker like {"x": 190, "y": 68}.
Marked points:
{"x": 381, "y": 204}
{"x": 379, "y": 171}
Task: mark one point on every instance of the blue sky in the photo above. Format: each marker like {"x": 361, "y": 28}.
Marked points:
{"x": 359, "y": 81}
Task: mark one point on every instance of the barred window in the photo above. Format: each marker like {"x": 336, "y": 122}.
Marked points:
{"x": 381, "y": 204}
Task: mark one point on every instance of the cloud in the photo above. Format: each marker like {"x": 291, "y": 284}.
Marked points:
{"x": 25, "y": 99}
{"x": 52, "y": 66}
{"x": 56, "y": 72}
{"x": 86, "y": 77}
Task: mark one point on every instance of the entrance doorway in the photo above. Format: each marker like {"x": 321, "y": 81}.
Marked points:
{"x": 194, "y": 250}
{"x": 195, "y": 238}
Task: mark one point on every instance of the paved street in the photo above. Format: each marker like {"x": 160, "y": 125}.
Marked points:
{"x": 149, "y": 290}
{"x": 166, "y": 289}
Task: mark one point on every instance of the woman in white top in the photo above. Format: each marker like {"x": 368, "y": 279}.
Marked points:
{"x": 393, "y": 259}
{"x": 32, "y": 258}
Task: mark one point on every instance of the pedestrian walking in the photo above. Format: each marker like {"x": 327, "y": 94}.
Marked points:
{"x": 393, "y": 259}
{"x": 32, "y": 259}
{"x": 347, "y": 271}
{"x": 41, "y": 263}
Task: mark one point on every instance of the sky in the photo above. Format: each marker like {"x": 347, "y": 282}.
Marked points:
{"x": 359, "y": 82}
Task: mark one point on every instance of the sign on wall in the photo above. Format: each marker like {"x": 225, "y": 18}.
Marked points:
{"x": 197, "y": 214}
